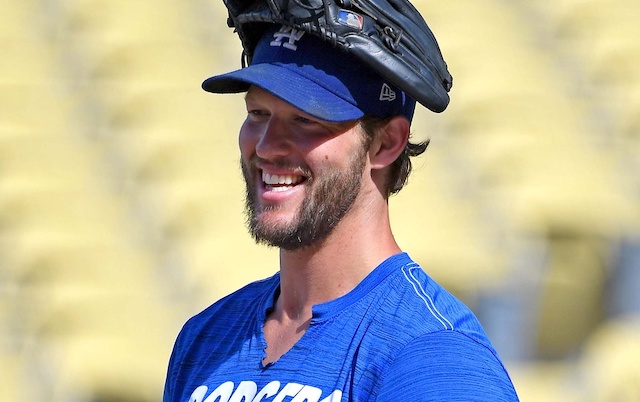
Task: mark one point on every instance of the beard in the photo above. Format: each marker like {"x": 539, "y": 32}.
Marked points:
{"x": 330, "y": 195}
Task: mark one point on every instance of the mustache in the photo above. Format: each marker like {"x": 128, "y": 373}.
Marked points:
{"x": 258, "y": 163}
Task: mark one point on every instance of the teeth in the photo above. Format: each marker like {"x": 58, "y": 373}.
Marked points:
{"x": 274, "y": 179}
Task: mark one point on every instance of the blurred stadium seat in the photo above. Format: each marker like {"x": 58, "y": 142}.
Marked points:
{"x": 121, "y": 197}
{"x": 609, "y": 366}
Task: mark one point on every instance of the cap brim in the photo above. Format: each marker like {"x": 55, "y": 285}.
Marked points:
{"x": 289, "y": 86}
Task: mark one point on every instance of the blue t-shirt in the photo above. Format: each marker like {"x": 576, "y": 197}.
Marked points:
{"x": 397, "y": 336}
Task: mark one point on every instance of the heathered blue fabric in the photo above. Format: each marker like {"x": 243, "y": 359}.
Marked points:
{"x": 398, "y": 336}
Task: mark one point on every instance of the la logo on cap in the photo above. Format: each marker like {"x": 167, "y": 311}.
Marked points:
{"x": 291, "y": 35}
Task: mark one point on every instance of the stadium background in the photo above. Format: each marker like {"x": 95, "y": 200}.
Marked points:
{"x": 121, "y": 197}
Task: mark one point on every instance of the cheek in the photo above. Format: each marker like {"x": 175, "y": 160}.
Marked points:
{"x": 337, "y": 153}
{"x": 246, "y": 139}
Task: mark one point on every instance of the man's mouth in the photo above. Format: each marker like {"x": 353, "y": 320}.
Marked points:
{"x": 281, "y": 182}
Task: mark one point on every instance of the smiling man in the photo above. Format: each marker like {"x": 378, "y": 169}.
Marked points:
{"x": 349, "y": 316}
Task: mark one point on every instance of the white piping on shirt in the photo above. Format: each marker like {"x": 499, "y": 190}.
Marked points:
{"x": 417, "y": 287}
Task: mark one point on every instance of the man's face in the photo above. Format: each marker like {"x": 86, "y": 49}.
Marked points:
{"x": 302, "y": 175}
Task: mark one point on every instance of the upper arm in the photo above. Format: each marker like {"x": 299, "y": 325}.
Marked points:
{"x": 446, "y": 366}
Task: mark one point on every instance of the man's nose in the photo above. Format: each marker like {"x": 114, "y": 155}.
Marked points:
{"x": 274, "y": 140}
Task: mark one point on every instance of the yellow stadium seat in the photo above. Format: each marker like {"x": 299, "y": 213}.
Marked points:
{"x": 147, "y": 65}
{"x": 609, "y": 366}
{"x": 546, "y": 381}
{"x": 15, "y": 381}
{"x": 16, "y": 20}
{"x": 122, "y": 21}
{"x": 27, "y": 63}
{"x": 569, "y": 310}
{"x": 39, "y": 111}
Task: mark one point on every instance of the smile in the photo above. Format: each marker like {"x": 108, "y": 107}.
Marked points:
{"x": 275, "y": 182}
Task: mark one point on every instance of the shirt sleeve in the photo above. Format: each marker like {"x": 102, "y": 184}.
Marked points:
{"x": 447, "y": 366}
{"x": 172, "y": 373}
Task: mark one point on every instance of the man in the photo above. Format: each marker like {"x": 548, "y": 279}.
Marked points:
{"x": 349, "y": 316}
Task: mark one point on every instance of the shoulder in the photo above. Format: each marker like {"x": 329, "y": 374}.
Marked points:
{"x": 254, "y": 291}
{"x": 447, "y": 365}
{"x": 428, "y": 306}
{"x": 439, "y": 348}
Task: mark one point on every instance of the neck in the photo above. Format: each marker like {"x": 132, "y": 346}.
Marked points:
{"x": 320, "y": 273}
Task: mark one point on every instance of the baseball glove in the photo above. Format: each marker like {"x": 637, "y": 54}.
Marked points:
{"x": 390, "y": 36}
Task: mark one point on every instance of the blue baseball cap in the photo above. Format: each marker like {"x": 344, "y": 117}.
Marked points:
{"x": 315, "y": 77}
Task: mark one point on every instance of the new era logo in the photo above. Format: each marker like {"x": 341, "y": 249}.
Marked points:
{"x": 387, "y": 94}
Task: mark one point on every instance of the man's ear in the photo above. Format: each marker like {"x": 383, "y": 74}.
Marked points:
{"x": 389, "y": 142}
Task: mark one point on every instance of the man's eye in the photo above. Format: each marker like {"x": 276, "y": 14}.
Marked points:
{"x": 305, "y": 120}
{"x": 256, "y": 113}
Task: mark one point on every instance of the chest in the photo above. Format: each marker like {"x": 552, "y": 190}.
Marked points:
{"x": 328, "y": 363}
